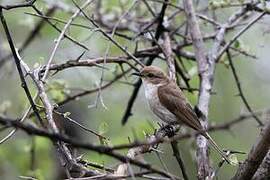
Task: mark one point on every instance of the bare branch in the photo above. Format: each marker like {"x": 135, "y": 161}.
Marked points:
{"x": 256, "y": 155}
{"x": 18, "y": 65}
{"x": 19, "y": 5}
{"x": 241, "y": 94}
{"x": 235, "y": 37}
{"x": 101, "y": 149}
{"x": 62, "y": 35}
{"x": 206, "y": 75}
{"x": 138, "y": 84}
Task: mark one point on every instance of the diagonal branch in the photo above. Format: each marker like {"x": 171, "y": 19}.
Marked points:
{"x": 61, "y": 36}
{"x": 30, "y": 37}
{"x": 138, "y": 84}
{"x": 59, "y": 30}
{"x": 235, "y": 37}
{"x": 241, "y": 93}
{"x": 247, "y": 169}
{"x": 18, "y": 65}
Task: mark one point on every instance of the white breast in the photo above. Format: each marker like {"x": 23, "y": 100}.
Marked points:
{"x": 151, "y": 94}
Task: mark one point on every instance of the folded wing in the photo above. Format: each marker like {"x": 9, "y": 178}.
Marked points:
{"x": 173, "y": 99}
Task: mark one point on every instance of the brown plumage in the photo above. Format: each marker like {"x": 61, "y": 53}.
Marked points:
{"x": 172, "y": 98}
{"x": 169, "y": 104}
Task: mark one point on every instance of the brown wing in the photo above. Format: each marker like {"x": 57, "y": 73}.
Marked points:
{"x": 173, "y": 99}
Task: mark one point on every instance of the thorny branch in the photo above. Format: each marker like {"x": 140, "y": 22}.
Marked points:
{"x": 18, "y": 65}
{"x": 241, "y": 94}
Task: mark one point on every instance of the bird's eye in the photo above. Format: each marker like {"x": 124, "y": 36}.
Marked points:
{"x": 150, "y": 75}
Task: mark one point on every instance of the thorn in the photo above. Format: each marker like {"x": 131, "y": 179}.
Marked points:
{"x": 80, "y": 56}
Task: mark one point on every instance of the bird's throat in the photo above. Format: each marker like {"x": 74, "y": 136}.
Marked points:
{"x": 151, "y": 90}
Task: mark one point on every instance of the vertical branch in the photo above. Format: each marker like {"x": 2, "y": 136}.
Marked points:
{"x": 167, "y": 50}
{"x": 169, "y": 56}
{"x": 205, "y": 69}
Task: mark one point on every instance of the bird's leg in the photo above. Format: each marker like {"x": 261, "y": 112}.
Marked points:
{"x": 169, "y": 129}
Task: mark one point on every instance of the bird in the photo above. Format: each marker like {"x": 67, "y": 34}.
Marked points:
{"x": 169, "y": 104}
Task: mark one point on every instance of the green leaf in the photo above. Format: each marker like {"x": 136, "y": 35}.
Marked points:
{"x": 233, "y": 160}
{"x": 104, "y": 141}
{"x": 58, "y": 90}
{"x": 237, "y": 44}
{"x": 67, "y": 114}
{"x": 103, "y": 128}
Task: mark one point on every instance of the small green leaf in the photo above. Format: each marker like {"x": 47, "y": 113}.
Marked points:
{"x": 58, "y": 90}
{"x": 233, "y": 160}
{"x": 67, "y": 114}
{"x": 104, "y": 141}
{"x": 237, "y": 44}
{"x": 103, "y": 128}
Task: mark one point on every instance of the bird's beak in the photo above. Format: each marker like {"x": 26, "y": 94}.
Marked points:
{"x": 136, "y": 74}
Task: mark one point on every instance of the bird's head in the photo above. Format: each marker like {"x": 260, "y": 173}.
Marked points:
{"x": 153, "y": 75}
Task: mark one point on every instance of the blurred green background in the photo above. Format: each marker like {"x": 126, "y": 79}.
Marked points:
{"x": 225, "y": 105}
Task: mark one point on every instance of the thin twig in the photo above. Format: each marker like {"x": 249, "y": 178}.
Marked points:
{"x": 137, "y": 85}
{"x": 30, "y": 37}
{"x": 61, "y": 36}
{"x": 97, "y": 148}
{"x": 180, "y": 162}
{"x": 59, "y": 30}
{"x": 18, "y": 65}
{"x": 19, "y": 5}
{"x": 235, "y": 37}
{"x": 79, "y": 125}
{"x": 241, "y": 93}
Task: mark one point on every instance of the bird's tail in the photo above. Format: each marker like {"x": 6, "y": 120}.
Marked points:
{"x": 217, "y": 148}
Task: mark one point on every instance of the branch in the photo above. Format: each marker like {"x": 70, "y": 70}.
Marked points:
{"x": 263, "y": 172}
{"x": 19, "y": 5}
{"x": 240, "y": 89}
{"x": 172, "y": 75}
{"x": 75, "y": 143}
{"x": 88, "y": 63}
{"x": 65, "y": 156}
{"x": 112, "y": 40}
{"x": 30, "y": 37}
{"x": 136, "y": 152}
{"x": 235, "y": 37}
{"x": 169, "y": 56}
{"x": 205, "y": 73}
{"x": 256, "y": 155}
{"x": 61, "y": 36}
{"x": 159, "y": 30}
{"x": 179, "y": 160}
{"x": 18, "y": 65}
{"x": 59, "y": 30}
